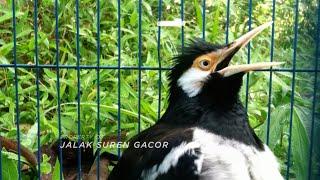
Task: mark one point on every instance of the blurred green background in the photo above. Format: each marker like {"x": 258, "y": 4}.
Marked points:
{"x": 170, "y": 44}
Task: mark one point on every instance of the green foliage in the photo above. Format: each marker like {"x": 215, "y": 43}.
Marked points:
{"x": 56, "y": 171}
{"x": 9, "y": 171}
{"x": 45, "y": 166}
{"x": 170, "y": 43}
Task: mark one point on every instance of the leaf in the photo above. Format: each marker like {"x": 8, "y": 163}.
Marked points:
{"x": 24, "y": 33}
{"x": 56, "y": 171}
{"x": 45, "y": 166}
{"x": 111, "y": 109}
{"x": 8, "y": 16}
{"x": 31, "y": 136}
{"x": 304, "y": 114}
{"x": 5, "y": 49}
{"x": 215, "y": 24}
{"x": 133, "y": 18}
{"x": 4, "y": 60}
{"x": 14, "y": 156}
{"x": 198, "y": 13}
{"x": 279, "y": 116}
{"x": 278, "y": 81}
{"x": 148, "y": 7}
{"x": 50, "y": 74}
{"x": 300, "y": 147}
{"x": 9, "y": 170}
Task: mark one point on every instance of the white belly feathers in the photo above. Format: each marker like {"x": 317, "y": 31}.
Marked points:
{"x": 220, "y": 159}
{"x": 229, "y": 159}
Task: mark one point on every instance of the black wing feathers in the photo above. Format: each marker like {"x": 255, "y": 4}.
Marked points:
{"x": 185, "y": 169}
{"x": 135, "y": 160}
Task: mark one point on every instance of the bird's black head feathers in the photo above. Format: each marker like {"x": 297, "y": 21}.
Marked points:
{"x": 188, "y": 54}
{"x": 202, "y": 66}
{"x": 184, "y": 61}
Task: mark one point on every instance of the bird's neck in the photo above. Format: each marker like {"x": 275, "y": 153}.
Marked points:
{"x": 184, "y": 110}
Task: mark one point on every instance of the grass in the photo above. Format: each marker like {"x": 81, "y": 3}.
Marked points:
{"x": 170, "y": 44}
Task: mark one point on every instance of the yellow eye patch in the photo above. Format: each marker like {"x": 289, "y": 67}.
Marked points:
{"x": 207, "y": 62}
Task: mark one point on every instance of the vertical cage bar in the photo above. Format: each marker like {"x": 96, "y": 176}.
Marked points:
{"x": 0, "y": 160}
{"x": 182, "y": 27}
{"x": 139, "y": 64}
{"x": 35, "y": 27}
{"x": 270, "y": 73}
{"x": 98, "y": 87}
{"x": 56, "y": 14}
{"x": 227, "y": 21}
{"x": 295, "y": 43}
{"x": 315, "y": 87}
{"x": 204, "y": 19}
{"x": 119, "y": 74}
{"x": 16, "y": 84}
{"x": 78, "y": 89}
{"x": 249, "y": 55}
{"x": 159, "y": 58}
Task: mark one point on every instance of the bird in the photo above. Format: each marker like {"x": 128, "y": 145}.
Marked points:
{"x": 204, "y": 133}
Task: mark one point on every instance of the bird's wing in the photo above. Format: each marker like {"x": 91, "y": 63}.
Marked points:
{"x": 180, "y": 159}
{"x": 182, "y": 162}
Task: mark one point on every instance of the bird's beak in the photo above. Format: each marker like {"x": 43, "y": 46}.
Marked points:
{"x": 229, "y": 51}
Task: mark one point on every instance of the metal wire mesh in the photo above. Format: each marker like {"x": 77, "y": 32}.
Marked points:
{"x": 78, "y": 67}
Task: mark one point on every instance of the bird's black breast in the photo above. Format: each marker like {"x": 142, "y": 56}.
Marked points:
{"x": 230, "y": 123}
{"x": 227, "y": 121}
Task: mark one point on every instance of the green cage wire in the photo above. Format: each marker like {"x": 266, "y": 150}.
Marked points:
{"x": 37, "y": 68}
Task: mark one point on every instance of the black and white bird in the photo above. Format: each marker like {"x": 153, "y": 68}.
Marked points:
{"x": 205, "y": 130}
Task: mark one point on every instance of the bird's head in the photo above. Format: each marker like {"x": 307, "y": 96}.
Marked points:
{"x": 202, "y": 69}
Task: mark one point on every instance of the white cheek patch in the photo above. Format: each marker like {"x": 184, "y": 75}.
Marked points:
{"x": 192, "y": 81}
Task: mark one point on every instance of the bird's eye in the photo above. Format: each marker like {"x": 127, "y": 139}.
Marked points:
{"x": 205, "y": 64}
